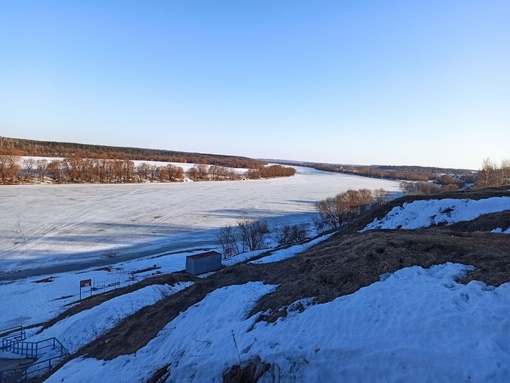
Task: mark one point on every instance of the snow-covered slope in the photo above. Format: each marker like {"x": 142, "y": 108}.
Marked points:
{"x": 501, "y": 231}
{"x": 425, "y": 213}
{"x": 415, "y": 325}
{"x": 82, "y": 328}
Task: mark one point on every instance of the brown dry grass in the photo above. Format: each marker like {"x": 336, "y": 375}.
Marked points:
{"x": 161, "y": 375}
{"x": 381, "y": 211}
{"x": 137, "y": 330}
{"x": 485, "y": 223}
{"x": 344, "y": 264}
{"x": 339, "y": 266}
{"x": 248, "y": 372}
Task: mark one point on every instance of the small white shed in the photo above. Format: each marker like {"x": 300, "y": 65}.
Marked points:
{"x": 203, "y": 263}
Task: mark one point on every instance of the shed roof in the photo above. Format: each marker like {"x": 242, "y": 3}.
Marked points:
{"x": 204, "y": 255}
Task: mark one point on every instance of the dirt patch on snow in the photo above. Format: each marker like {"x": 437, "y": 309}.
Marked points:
{"x": 380, "y": 211}
{"x": 248, "y": 372}
{"x": 337, "y": 267}
{"x": 137, "y": 330}
{"x": 45, "y": 280}
{"x": 344, "y": 264}
{"x": 485, "y": 223}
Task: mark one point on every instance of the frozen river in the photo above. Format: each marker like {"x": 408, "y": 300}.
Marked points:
{"x": 47, "y": 225}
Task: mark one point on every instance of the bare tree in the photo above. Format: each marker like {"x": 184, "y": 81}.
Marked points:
{"x": 419, "y": 188}
{"x": 335, "y": 211}
{"x": 117, "y": 171}
{"x": 487, "y": 175}
{"x": 366, "y": 197}
{"x": 491, "y": 175}
{"x": 42, "y": 167}
{"x": 253, "y": 233}
{"x": 128, "y": 168}
{"x": 329, "y": 213}
{"x": 202, "y": 172}
{"x": 55, "y": 171}
{"x": 228, "y": 239}
{"x": 291, "y": 234}
{"x": 103, "y": 171}
{"x": 9, "y": 167}
{"x": 381, "y": 196}
{"x": 28, "y": 167}
{"x": 171, "y": 173}
{"x": 407, "y": 187}
{"x": 220, "y": 173}
{"x": 505, "y": 172}
{"x": 154, "y": 172}
{"x": 192, "y": 173}
{"x": 143, "y": 171}
{"x": 75, "y": 169}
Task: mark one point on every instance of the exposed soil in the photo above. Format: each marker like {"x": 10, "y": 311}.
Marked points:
{"x": 381, "y": 211}
{"x": 136, "y": 331}
{"x": 248, "y": 372}
{"x": 45, "y": 280}
{"x": 485, "y": 223}
{"x": 161, "y": 375}
{"x": 339, "y": 266}
{"x": 345, "y": 264}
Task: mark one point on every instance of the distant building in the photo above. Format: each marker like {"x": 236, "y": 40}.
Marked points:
{"x": 203, "y": 263}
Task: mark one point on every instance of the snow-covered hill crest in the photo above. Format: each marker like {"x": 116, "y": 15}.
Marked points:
{"x": 435, "y": 212}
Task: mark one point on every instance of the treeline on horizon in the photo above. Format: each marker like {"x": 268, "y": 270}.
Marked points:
{"x": 407, "y": 173}
{"x": 417, "y": 180}
{"x": 23, "y": 147}
{"x": 18, "y": 170}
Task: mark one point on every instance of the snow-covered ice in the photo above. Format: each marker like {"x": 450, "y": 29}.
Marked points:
{"x": 415, "y": 325}
{"x": 45, "y": 225}
{"x": 31, "y": 301}
{"x": 34, "y": 300}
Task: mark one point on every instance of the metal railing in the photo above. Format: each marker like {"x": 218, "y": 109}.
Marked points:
{"x": 52, "y": 347}
{"x": 31, "y": 371}
{"x": 17, "y": 333}
{"x": 33, "y": 349}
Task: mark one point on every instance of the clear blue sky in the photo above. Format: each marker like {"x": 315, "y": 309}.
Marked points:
{"x": 364, "y": 82}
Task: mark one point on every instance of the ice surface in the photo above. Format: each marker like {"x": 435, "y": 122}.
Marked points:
{"x": 45, "y": 225}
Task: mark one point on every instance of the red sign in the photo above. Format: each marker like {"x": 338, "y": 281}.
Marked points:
{"x": 86, "y": 283}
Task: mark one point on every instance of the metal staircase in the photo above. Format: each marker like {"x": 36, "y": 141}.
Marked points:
{"x": 46, "y": 353}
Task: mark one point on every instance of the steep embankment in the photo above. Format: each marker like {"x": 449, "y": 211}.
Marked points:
{"x": 345, "y": 265}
